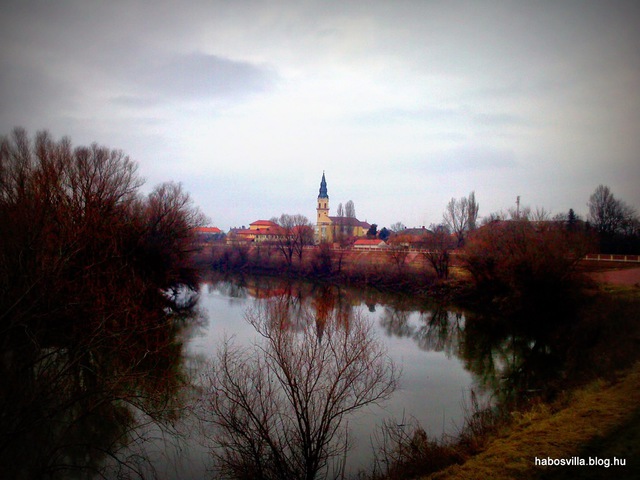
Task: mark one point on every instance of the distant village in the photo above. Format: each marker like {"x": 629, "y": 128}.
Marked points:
{"x": 342, "y": 230}
{"x": 616, "y": 232}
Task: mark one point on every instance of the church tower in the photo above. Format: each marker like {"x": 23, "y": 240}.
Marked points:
{"x": 322, "y": 227}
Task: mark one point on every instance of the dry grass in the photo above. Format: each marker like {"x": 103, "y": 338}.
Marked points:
{"x": 589, "y": 413}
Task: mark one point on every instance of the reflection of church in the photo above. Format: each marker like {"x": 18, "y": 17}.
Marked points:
{"x": 333, "y": 229}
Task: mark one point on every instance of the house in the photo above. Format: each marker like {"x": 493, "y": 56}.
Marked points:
{"x": 411, "y": 237}
{"x": 258, "y": 231}
{"x": 369, "y": 244}
{"x": 209, "y": 234}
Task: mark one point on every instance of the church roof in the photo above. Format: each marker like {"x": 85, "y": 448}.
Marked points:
{"x": 348, "y": 222}
{"x": 323, "y": 188}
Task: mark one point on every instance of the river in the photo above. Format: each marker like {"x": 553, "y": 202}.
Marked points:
{"x": 422, "y": 339}
{"x": 122, "y": 399}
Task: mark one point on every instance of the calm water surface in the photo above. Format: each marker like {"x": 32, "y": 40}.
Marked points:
{"x": 117, "y": 400}
{"x": 424, "y": 342}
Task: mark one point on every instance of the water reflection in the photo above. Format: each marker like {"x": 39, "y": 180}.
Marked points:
{"x": 279, "y": 407}
{"x": 72, "y": 400}
{"x": 512, "y": 356}
{"x": 437, "y": 330}
{"x": 86, "y": 401}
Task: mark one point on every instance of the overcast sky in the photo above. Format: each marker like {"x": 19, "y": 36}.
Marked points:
{"x": 404, "y": 104}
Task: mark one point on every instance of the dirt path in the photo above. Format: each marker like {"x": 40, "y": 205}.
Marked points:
{"x": 627, "y": 277}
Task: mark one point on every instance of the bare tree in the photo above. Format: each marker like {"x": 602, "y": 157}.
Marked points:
{"x": 540, "y": 214}
{"x": 436, "y": 247}
{"x": 397, "y": 227}
{"x": 278, "y": 408}
{"x": 89, "y": 309}
{"x": 296, "y": 233}
{"x": 461, "y": 216}
{"x": 519, "y": 213}
{"x": 398, "y": 254}
{"x": 340, "y": 210}
{"x": 608, "y": 214}
{"x": 350, "y": 210}
{"x": 472, "y": 211}
{"x": 520, "y": 257}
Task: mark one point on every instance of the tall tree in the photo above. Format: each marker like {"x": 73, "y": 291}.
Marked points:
{"x": 436, "y": 247}
{"x": 572, "y": 220}
{"x": 92, "y": 294}
{"x": 615, "y": 221}
{"x": 461, "y": 215}
{"x": 608, "y": 214}
{"x": 350, "y": 210}
{"x": 473, "y": 209}
{"x": 397, "y": 227}
{"x": 340, "y": 211}
{"x": 296, "y": 233}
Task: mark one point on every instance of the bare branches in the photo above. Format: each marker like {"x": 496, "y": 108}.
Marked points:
{"x": 87, "y": 319}
{"x": 296, "y": 233}
{"x": 436, "y": 247}
{"x": 278, "y": 407}
{"x": 608, "y": 214}
{"x": 461, "y": 215}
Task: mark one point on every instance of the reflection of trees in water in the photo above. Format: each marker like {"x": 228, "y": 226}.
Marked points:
{"x": 72, "y": 407}
{"x": 91, "y": 275}
{"x": 277, "y": 409}
{"x": 440, "y": 331}
{"x": 539, "y": 352}
{"x": 436, "y": 330}
{"x": 396, "y": 322}
{"x": 230, "y": 289}
{"x": 529, "y": 352}
{"x": 290, "y": 299}
{"x": 511, "y": 358}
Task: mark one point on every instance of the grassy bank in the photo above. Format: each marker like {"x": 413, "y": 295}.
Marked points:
{"x": 586, "y": 405}
{"x": 601, "y": 419}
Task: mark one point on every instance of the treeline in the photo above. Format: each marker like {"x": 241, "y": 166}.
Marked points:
{"x": 518, "y": 260}
{"x": 93, "y": 276}
{"x": 78, "y": 240}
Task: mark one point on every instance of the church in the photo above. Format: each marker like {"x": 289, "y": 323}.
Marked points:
{"x": 335, "y": 229}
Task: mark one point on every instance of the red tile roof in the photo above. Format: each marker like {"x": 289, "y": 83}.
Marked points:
{"x": 369, "y": 241}
{"x": 208, "y": 230}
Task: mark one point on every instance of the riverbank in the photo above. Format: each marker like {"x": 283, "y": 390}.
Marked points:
{"x": 592, "y": 339}
{"x": 585, "y": 406}
{"x": 599, "y": 420}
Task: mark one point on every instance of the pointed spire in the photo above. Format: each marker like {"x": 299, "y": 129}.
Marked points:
{"x": 323, "y": 188}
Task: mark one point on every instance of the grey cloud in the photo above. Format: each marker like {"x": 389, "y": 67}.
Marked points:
{"x": 440, "y": 114}
{"x": 499, "y": 119}
{"x": 136, "y": 101}
{"x": 200, "y": 76}
{"x": 30, "y": 94}
{"x": 470, "y": 158}
{"x": 401, "y": 115}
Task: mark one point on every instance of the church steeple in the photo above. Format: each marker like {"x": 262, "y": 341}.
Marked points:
{"x": 323, "y": 188}
{"x": 323, "y": 212}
